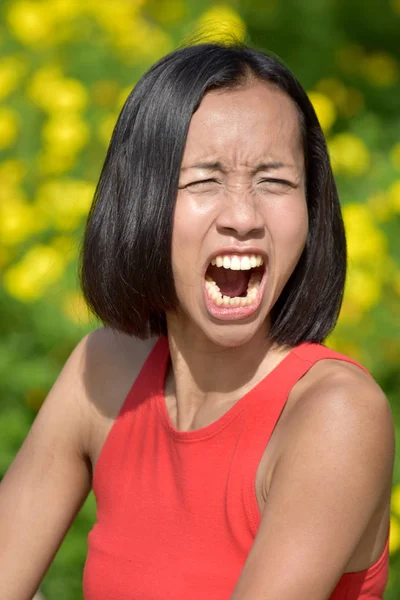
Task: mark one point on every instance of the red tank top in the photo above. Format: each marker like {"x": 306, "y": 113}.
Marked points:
{"x": 176, "y": 510}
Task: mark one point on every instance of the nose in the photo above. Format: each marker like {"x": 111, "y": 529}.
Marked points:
{"x": 240, "y": 215}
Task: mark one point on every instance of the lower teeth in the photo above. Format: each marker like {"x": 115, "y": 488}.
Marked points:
{"x": 215, "y": 295}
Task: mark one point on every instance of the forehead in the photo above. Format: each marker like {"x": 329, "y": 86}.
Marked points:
{"x": 249, "y": 122}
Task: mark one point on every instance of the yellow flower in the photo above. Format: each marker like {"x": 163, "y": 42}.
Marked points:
{"x": 134, "y": 49}
{"x": 116, "y": 16}
{"x": 55, "y": 93}
{"x": 395, "y": 500}
{"x": 67, "y": 245}
{"x": 349, "y": 313}
{"x": 10, "y": 193}
{"x": 30, "y": 22}
{"x": 105, "y": 128}
{"x": 123, "y": 96}
{"x": 41, "y": 267}
{"x": 369, "y": 265}
{"x": 9, "y": 125}
{"x": 42, "y": 82}
{"x": 362, "y": 290}
{"x": 395, "y": 155}
{"x": 17, "y": 221}
{"x": 63, "y": 95}
{"x": 169, "y": 12}
{"x": 128, "y": 32}
{"x": 365, "y": 241}
{"x": 12, "y": 172}
{"x": 134, "y": 37}
{"x": 325, "y": 109}
{"x": 54, "y": 162}
{"x": 63, "y": 203}
{"x": 65, "y": 134}
{"x": 65, "y": 10}
{"x": 394, "y": 196}
{"x": 12, "y": 69}
{"x": 380, "y": 69}
{"x": 220, "y": 23}
{"x": 380, "y": 206}
{"x": 345, "y": 346}
{"x": 349, "y": 155}
{"x": 5, "y": 257}
{"x": 75, "y": 309}
{"x": 394, "y": 539}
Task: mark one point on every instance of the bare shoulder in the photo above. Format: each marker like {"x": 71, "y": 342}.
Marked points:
{"x": 112, "y": 362}
{"x": 345, "y": 391}
{"x": 341, "y": 407}
{"x": 341, "y": 399}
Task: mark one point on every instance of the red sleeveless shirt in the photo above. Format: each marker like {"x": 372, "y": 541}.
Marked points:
{"x": 176, "y": 510}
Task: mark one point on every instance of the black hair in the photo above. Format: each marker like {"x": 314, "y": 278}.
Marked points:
{"x": 125, "y": 258}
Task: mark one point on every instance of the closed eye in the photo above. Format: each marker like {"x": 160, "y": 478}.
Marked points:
{"x": 200, "y": 184}
{"x": 204, "y": 183}
{"x": 282, "y": 182}
{"x": 201, "y": 181}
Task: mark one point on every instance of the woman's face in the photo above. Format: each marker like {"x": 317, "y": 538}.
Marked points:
{"x": 240, "y": 222}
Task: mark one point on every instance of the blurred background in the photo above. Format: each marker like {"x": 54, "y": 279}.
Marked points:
{"x": 66, "y": 67}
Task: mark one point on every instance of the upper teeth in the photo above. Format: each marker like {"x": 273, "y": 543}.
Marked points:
{"x": 238, "y": 263}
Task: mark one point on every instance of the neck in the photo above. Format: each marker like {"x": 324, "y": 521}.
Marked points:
{"x": 204, "y": 374}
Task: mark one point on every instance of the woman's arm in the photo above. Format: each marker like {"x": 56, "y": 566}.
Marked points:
{"x": 46, "y": 484}
{"x": 333, "y": 475}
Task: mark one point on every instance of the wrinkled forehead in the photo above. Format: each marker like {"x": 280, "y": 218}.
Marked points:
{"x": 246, "y": 124}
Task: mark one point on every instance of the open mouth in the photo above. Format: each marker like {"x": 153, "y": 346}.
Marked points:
{"x": 234, "y": 281}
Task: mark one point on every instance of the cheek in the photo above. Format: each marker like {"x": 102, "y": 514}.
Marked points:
{"x": 186, "y": 212}
{"x": 289, "y": 225}
{"x": 192, "y": 219}
{"x": 190, "y": 225}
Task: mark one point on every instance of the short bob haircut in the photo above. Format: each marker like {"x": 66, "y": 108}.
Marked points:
{"x": 125, "y": 257}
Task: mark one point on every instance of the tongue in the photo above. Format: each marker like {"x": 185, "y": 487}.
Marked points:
{"x": 231, "y": 283}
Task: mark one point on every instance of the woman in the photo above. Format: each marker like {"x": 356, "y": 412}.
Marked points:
{"x": 232, "y": 454}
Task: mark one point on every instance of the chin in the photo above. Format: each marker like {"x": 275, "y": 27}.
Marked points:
{"x": 234, "y": 334}
{"x": 230, "y": 339}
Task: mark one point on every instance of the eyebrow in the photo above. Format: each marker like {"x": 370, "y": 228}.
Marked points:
{"x": 218, "y": 166}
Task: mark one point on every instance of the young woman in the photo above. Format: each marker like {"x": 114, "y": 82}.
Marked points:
{"x": 232, "y": 454}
